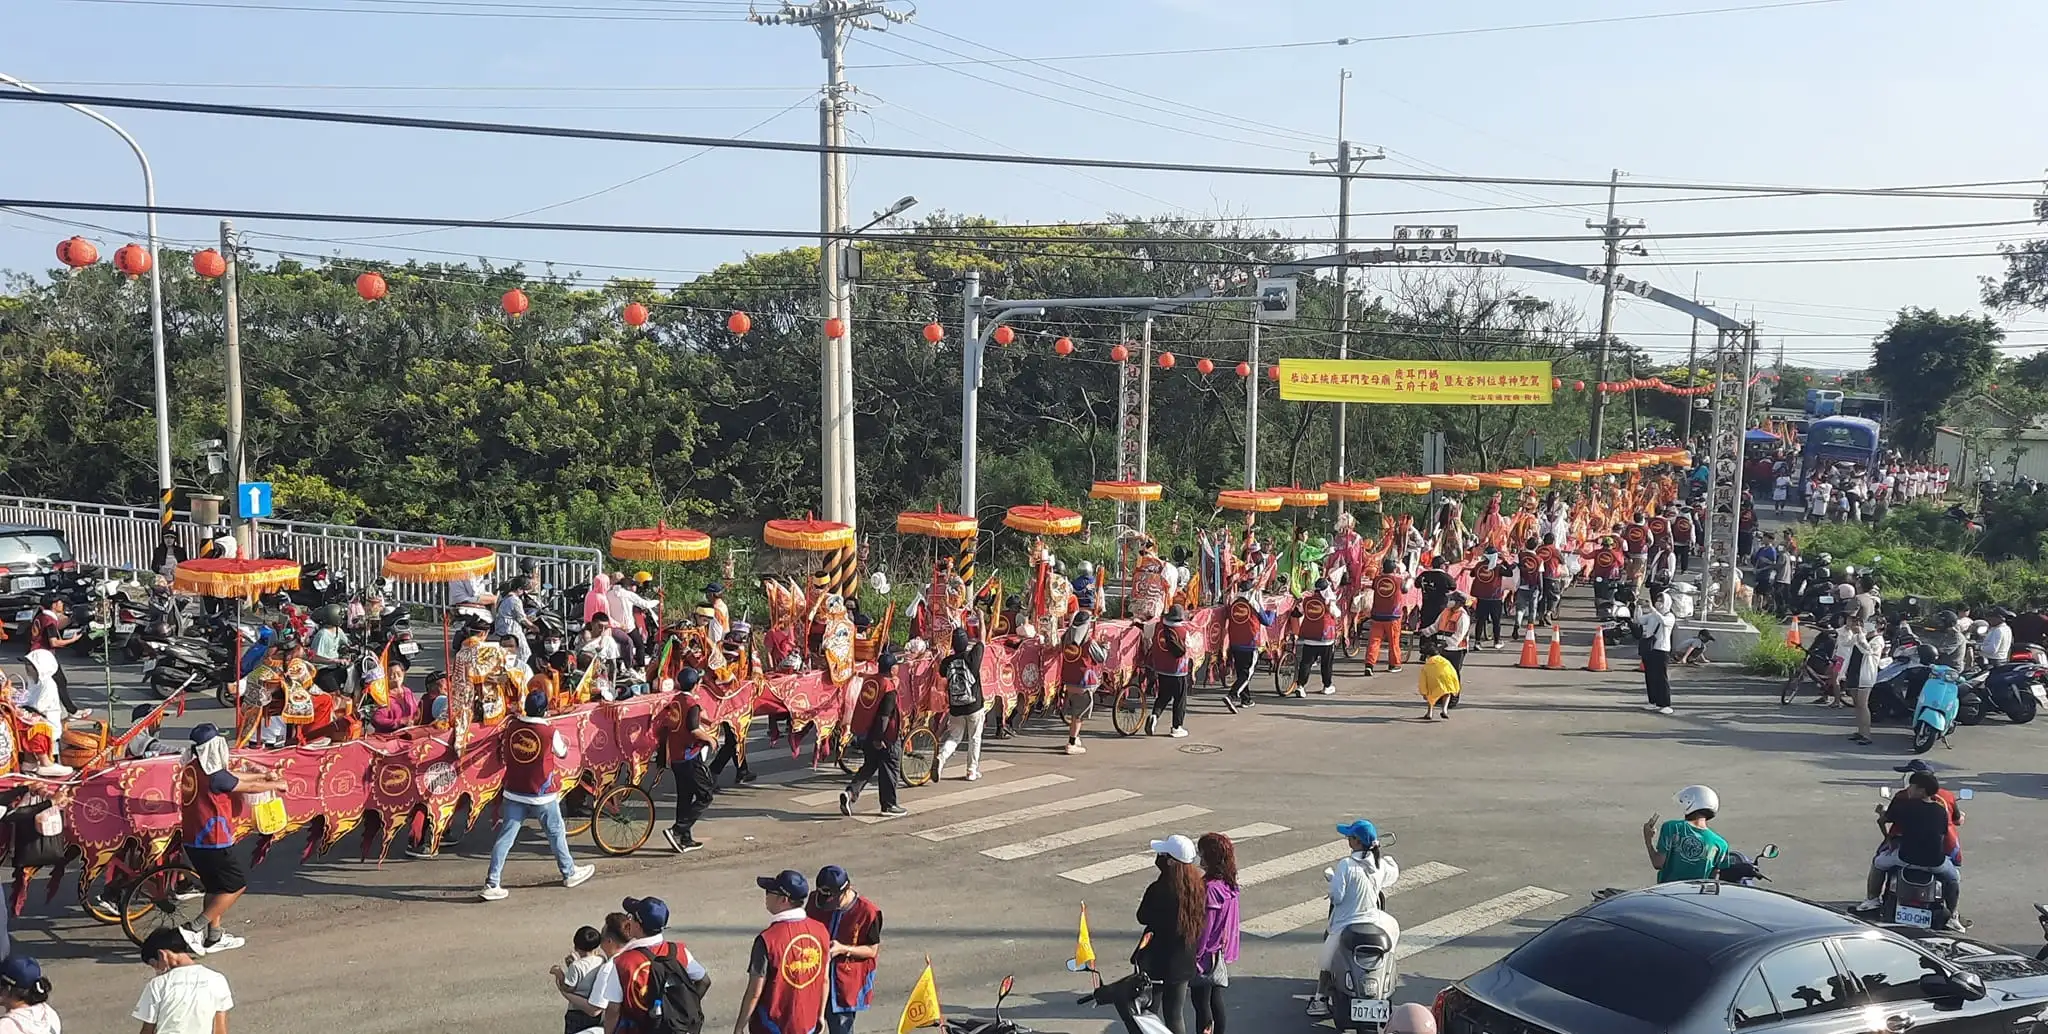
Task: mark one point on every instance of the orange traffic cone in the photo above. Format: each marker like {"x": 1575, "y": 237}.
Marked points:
{"x": 1529, "y": 658}
{"x": 1556, "y": 662}
{"x": 1792, "y": 634}
{"x": 1597, "y": 661}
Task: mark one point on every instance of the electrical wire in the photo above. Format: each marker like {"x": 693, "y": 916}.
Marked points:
{"x": 513, "y": 11}
{"x": 805, "y": 147}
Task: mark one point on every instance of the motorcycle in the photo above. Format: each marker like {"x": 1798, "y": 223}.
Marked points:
{"x": 1737, "y": 868}
{"x": 994, "y": 1025}
{"x": 1912, "y": 895}
{"x": 1360, "y": 995}
{"x": 1131, "y": 997}
{"x": 2015, "y": 687}
{"x": 1619, "y": 626}
{"x": 1934, "y": 713}
{"x": 1895, "y": 692}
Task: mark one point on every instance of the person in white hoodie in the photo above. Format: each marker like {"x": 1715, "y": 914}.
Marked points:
{"x": 1858, "y": 647}
{"x": 25, "y": 994}
{"x": 43, "y": 706}
{"x": 1356, "y": 886}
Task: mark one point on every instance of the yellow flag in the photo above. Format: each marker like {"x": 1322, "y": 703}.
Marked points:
{"x": 922, "y": 1010}
{"x": 1084, "y": 950}
{"x": 589, "y": 679}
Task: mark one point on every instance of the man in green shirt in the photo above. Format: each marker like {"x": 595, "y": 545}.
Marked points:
{"x": 1685, "y": 849}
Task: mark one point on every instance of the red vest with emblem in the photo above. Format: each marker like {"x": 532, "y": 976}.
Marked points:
{"x": 1386, "y": 598}
{"x": 530, "y": 769}
{"x": 1659, "y": 527}
{"x": 1532, "y": 569}
{"x": 1161, "y": 656}
{"x": 793, "y": 1001}
{"x": 1607, "y": 563}
{"x": 1681, "y": 529}
{"x": 204, "y": 817}
{"x": 868, "y": 703}
{"x": 634, "y": 1001}
{"x": 1637, "y": 538}
{"x": 1241, "y": 627}
{"x": 1075, "y": 667}
{"x": 1553, "y": 563}
{"x": 853, "y": 980}
{"x": 677, "y": 741}
{"x": 1487, "y": 583}
{"x": 1317, "y": 623}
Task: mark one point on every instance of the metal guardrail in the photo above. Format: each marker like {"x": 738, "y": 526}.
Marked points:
{"x": 125, "y": 538}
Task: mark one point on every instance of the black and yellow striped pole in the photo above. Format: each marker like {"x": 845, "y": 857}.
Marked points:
{"x": 963, "y": 562}
{"x": 842, "y": 572}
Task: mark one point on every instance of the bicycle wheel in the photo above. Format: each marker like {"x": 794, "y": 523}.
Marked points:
{"x": 1127, "y": 714}
{"x": 165, "y": 896}
{"x": 1348, "y": 642}
{"x": 920, "y": 756}
{"x": 849, "y": 763}
{"x": 1792, "y": 684}
{"x": 623, "y": 820}
{"x": 577, "y": 813}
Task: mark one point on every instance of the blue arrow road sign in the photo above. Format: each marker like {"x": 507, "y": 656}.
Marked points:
{"x": 252, "y": 498}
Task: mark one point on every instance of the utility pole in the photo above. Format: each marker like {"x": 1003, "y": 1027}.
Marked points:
{"x": 1251, "y": 412}
{"x": 834, "y": 20}
{"x": 970, "y": 384}
{"x": 1345, "y": 163}
{"x": 1144, "y": 412}
{"x": 1692, "y": 363}
{"x": 231, "y": 339}
{"x": 1611, "y": 231}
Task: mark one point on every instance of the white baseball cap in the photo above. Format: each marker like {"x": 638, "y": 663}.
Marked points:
{"x": 1177, "y": 847}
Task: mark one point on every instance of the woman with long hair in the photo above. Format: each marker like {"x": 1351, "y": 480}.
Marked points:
{"x": 1173, "y": 912}
{"x": 1218, "y": 945}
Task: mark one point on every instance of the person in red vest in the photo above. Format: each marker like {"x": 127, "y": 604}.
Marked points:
{"x": 1244, "y": 630}
{"x": 856, "y": 926}
{"x": 1386, "y": 615}
{"x": 206, "y": 820}
{"x": 1682, "y": 538}
{"x": 1080, "y": 659}
{"x": 789, "y": 978}
{"x": 1167, "y": 655}
{"x": 1492, "y": 583}
{"x": 532, "y": 789}
{"x": 1315, "y": 622}
{"x": 687, "y": 742}
{"x": 621, "y": 988}
{"x": 877, "y": 725}
{"x": 1635, "y": 543}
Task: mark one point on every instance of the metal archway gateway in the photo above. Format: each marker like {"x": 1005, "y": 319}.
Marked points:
{"x": 1734, "y": 353}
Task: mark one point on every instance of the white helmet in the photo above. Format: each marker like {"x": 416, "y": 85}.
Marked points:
{"x": 1698, "y": 798}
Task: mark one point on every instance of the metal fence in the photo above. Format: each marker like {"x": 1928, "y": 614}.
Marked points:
{"x": 125, "y": 538}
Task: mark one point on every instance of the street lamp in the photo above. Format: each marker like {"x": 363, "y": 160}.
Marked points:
{"x": 903, "y": 204}
{"x": 156, "y": 301}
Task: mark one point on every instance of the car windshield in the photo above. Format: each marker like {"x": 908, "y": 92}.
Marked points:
{"x": 1614, "y": 968}
{"x": 30, "y": 549}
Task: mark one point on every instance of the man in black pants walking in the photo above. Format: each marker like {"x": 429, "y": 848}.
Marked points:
{"x": 1170, "y": 664}
{"x": 686, "y": 741}
{"x": 878, "y": 725}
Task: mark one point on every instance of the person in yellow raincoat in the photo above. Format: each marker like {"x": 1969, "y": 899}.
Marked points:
{"x": 1439, "y": 681}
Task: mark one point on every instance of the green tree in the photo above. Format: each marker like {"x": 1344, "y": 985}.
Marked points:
{"x": 2024, "y": 284}
{"x": 1925, "y": 360}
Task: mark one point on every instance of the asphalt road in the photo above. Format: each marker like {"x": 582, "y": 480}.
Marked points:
{"x": 1508, "y": 816}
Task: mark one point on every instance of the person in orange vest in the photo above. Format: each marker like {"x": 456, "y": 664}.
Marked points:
{"x": 1386, "y": 616}
{"x": 1244, "y": 631}
{"x": 856, "y": 926}
{"x": 1316, "y": 621}
{"x": 789, "y": 973}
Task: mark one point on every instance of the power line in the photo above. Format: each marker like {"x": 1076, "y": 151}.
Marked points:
{"x": 510, "y": 11}
{"x": 802, "y": 147}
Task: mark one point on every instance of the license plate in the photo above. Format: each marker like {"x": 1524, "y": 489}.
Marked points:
{"x": 1370, "y": 1010}
{"x": 1910, "y": 916}
{"x": 24, "y": 615}
{"x": 33, "y": 581}
{"x": 408, "y": 649}
{"x": 149, "y": 666}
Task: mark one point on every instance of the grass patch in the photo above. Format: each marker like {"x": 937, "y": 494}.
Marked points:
{"x": 1771, "y": 656}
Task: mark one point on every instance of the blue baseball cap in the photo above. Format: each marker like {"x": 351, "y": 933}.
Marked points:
{"x": 650, "y": 913}
{"x": 20, "y": 971}
{"x": 1363, "y": 829}
{"x": 204, "y": 731}
{"x": 832, "y": 879}
{"x": 789, "y": 883}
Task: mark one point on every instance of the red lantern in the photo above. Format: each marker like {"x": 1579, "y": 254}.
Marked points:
{"x": 835, "y": 328}
{"x": 1063, "y": 346}
{"x": 1994, "y": 387}
{"x": 77, "y": 252}
{"x": 739, "y": 323}
{"x": 1272, "y": 373}
{"x": 514, "y": 302}
{"x": 132, "y": 259}
{"x": 1165, "y": 361}
{"x": 934, "y": 333}
{"x": 209, "y": 263}
{"x": 1244, "y": 369}
{"x": 1578, "y": 385}
{"x": 1004, "y": 335}
{"x": 371, "y": 286}
{"x": 1205, "y": 366}
{"x": 1119, "y": 353}
{"x": 635, "y": 314}
{"x": 1556, "y": 383}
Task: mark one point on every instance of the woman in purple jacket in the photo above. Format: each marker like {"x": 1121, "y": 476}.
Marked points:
{"x": 1218, "y": 945}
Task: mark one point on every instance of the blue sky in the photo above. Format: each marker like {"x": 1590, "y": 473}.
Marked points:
{"x": 1847, "y": 93}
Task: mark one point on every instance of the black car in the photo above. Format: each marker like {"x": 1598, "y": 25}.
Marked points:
{"x": 32, "y": 561}
{"x": 1700, "y": 957}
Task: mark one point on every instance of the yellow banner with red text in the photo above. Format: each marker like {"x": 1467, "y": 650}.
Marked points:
{"x": 1403, "y": 382}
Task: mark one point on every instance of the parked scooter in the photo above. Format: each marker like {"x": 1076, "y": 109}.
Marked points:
{"x": 1934, "y": 712}
{"x": 1131, "y": 997}
{"x": 994, "y": 1025}
{"x": 2017, "y": 688}
{"x": 1912, "y": 896}
{"x": 1895, "y": 692}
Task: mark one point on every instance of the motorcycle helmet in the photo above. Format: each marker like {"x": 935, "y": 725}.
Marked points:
{"x": 1827, "y": 560}
{"x": 1928, "y": 655}
{"x": 333, "y": 614}
{"x": 1698, "y": 798}
{"x": 285, "y": 642}
{"x": 1946, "y": 620}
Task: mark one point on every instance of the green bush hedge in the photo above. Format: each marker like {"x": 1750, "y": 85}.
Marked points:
{"x": 1771, "y": 656}
{"x": 1917, "y": 551}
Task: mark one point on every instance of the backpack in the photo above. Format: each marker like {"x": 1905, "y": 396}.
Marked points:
{"x": 963, "y": 689}
{"x": 675, "y": 1003}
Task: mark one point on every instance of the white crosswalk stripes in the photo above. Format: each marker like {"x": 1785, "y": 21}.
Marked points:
{"x": 1164, "y": 818}
{"x": 812, "y": 800}
{"x": 1472, "y": 919}
{"x": 920, "y": 805}
{"x": 1316, "y": 909}
{"x": 1141, "y": 861}
{"x": 989, "y": 823}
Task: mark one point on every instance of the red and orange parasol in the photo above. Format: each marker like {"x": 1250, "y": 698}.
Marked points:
{"x": 1249, "y": 501}
{"x": 1127, "y": 491}
{"x": 1501, "y": 479}
{"x": 235, "y": 577}
{"x": 937, "y": 524}
{"x": 808, "y": 535}
{"x": 1299, "y": 497}
{"x": 440, "y": 562}
{"x": 661, "y": 544}
{"x": 1454, "y": 482}
{"x": 1530, "y": 478}
{"x": 1403, "y": 484}
{"x": 1042, "y": 519}
{"x": 1353, "y": 491}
